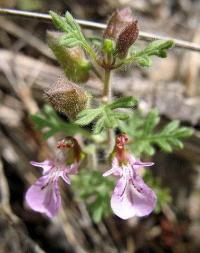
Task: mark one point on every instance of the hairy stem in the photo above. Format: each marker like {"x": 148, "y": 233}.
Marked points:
{"x": 107, "y": 91}
{"x": 107, "y": 96}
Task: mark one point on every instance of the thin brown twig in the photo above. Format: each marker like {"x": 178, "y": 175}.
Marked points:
{"x": 94, "y": 25}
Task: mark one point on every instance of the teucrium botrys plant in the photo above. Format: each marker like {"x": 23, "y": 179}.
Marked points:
{"x": 97, "y": 117}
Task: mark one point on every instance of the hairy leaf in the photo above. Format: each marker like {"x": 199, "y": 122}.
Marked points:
{"x": 50, "y": 123}
{"x": 145, "y": 135}
{"x": 73, "y": 35}
{"x": 124, "y": 102}
{"x": 86, "y": 116}
{"x": 143, "y": 57}
{"x": 106, "y": 116}
{"x": 72, "y": 60}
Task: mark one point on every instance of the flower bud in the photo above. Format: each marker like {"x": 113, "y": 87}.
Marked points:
{"x": 72, "y": 60}
{"x": 67, "y": 97}
{"x": 108, "y": 46}
{"x": 118, "y": 21}
{"x": 123, "y": 30}
{"x": 126, "y": 38}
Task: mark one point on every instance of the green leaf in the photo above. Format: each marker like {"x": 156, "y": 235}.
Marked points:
{"x": 86, "y": 116}
{"x": 49, "y": 123}
{"x": 151, "y": 121}
{"x": 47, "y": 134}
{"x": 73, "y": 35}
{"x": 66, "y": 40}
{"x": 163, "y": 144}
{"x": 39, "y": 120}
{"x": 110, "y": 121}
{"x": 184, "y": 132}
{"x": 144, "y": 61}
{"x": 106, "y": 116}
{"x": 120, "y": 115}
{"x": 96, "y": 41}
{"x": 90, "y": 187}
{"x": 97, "y": 212}
{"x": 145, "y": 136}
{"x": 99, "y": 126}
{"x": 143, "y": 57}
{"x": 172, "y": 126}
{"x": 124, "y": 102}
{"x": 73, "y": 61}
{"x": 58, "y": 21}
{"x": 157, "y": 47}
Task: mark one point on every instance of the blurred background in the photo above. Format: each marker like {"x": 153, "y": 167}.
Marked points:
{"x": 172, "y": 85}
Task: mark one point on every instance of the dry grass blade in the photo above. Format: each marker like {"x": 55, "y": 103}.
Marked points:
{"x": 26, "y": 36}
{"x": 94, "y": 25}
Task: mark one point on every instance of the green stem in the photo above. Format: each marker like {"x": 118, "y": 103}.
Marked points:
{"x": 107, "y": 96}
{"x": 107, "y": 91}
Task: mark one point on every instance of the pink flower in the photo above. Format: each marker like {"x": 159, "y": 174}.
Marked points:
{"x": 131, "y": 196}
{"x": 44, "y": 196}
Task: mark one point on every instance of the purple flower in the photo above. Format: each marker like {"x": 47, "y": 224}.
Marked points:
{"x": 44, "y": 196}
{"x": 131, "y": 196}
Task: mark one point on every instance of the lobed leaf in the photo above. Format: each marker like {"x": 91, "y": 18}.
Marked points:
{"x": 73, "y": 35}
{"x": 124, "y": 102}
{"x": 106, "y": 116}
{"x": 86, "y": 116}
{"x": 143, "y": 57}
{"x": 145, "y": 135}
{"x": 72, "y": 60}
{"x": 58, "y": 21}
{"x": 49, "y": 122}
